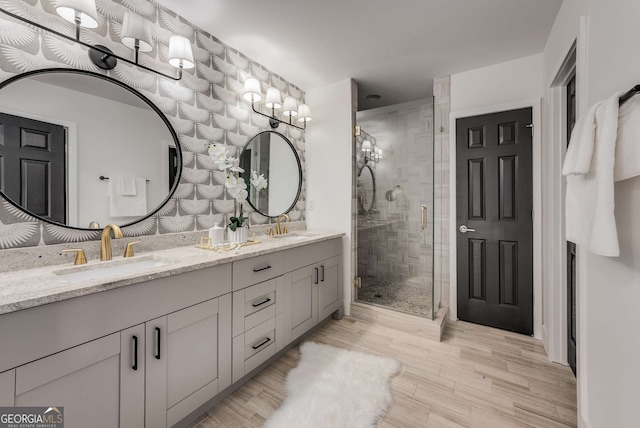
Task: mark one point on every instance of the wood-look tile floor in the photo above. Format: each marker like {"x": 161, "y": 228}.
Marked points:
{"x": 476, "y": 377}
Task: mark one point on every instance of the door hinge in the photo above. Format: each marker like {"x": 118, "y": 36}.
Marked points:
{"x": 356, "y": 130}
{"x": 532, "y": 127}
{"x": 533, "y": 215}
{"x": 357, "y": 282}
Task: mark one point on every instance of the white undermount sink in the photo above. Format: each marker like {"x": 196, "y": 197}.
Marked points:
{"x": 117, "y": 268}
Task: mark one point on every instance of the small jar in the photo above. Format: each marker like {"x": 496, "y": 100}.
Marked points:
{"x": 216, "y": 234}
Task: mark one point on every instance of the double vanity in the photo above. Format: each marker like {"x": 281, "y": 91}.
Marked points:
{"x": 154, "y": 340}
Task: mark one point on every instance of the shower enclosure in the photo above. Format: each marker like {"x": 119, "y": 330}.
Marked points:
{"x": 394, "y": 195}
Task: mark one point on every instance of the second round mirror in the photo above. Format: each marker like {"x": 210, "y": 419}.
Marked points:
{"x": 271, "y": 154}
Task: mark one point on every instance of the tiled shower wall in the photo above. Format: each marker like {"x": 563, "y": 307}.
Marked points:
{"x": 442, "y": 109}
{"x": 391, "y": 244}
{"x": 206, "y": 106}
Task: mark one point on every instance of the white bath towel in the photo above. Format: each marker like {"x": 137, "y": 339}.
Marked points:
{"x": 127, "y": 206}
{"x": 628, "y": 144}
{"x": 580, "y": 152}
{"x": 590, "y": 220}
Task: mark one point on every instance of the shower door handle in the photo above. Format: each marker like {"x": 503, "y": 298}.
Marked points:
{"x": 465, "y": 229}
{"x": 424, "y": 217}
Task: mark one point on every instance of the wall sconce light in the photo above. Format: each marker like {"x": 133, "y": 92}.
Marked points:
{"x": 273, "y": 101}
{"x": 136, "y": 35}
{"x": 372, "y": 153}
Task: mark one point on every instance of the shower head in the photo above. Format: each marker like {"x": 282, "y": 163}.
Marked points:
{"x": 392, "y": 194}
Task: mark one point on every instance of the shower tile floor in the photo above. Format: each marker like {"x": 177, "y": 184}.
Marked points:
{"x": 412, "y": 297}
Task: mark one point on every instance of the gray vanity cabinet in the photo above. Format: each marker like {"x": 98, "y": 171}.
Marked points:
{"x": 315, "y": 290}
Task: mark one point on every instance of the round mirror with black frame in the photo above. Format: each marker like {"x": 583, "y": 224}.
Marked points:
{"x": 366, "y": 189}
{"x": 82, "y": 148}
{"x": 271, "y": 154}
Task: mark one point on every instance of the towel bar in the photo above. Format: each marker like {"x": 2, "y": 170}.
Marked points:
{"x": 102, "y": 178}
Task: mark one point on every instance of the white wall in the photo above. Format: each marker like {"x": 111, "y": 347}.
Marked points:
{"x": 113, "y": 139}
{"x": 329, "y": 142}
{"x": 503, "y": 83}
{"x": 610, "y": 287}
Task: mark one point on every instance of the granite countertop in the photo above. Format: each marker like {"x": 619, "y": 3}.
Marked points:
{"x": 29, "y": 288}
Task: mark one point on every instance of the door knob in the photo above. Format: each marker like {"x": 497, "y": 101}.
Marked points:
{"x": 465, "y": 229}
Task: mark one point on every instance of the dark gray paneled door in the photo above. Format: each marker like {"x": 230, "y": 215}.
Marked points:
{"x": 32, "y": 165}
{"x": 495, "y": 203}
{"x": 571, "y": 247}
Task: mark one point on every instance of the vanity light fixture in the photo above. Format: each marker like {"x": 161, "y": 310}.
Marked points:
{"x": 136, "y": 35}
{"x": 372, "y": 153}
{"x": 273, "y": 100}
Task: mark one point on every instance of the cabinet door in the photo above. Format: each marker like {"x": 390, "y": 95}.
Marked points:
{"x": 156, "y": 373}
{"x": 304, "y": 291}
{"x": 7, "y": 388}
{"x": 132, "y": 371}
{"x": 188, "y": 360}
{"x": 329, "y": 288}
{"x": 85, "y": 380}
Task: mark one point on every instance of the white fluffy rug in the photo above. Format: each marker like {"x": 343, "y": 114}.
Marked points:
{"x": 335, "y": 388}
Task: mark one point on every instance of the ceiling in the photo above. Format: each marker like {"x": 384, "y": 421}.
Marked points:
{"x": 393, "y": 48}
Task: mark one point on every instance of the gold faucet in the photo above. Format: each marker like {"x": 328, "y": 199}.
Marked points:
{"x": 279, "y": 230}
{"x": 105, "y": 241}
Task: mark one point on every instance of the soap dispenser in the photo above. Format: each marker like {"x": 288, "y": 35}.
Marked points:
{"x": 216, "y": 234}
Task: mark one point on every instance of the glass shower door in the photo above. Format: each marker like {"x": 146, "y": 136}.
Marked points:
{"x": 394, "y": 194}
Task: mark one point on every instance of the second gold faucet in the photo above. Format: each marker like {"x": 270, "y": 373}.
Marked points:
{"x": 105, "y": 241}
{"x": 280, "y": 230}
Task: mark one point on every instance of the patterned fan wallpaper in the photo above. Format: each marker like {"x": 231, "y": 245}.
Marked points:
{"x": 205, "y": 106}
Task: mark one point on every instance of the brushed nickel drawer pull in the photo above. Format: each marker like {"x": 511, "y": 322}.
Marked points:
{"x": 261, "y": 344}
{"x": 255, "y": 305}
{"x": 261, "y": 269}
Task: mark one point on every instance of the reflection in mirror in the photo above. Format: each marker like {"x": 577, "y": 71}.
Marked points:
{"x": 62, "y": 130}
{"x": 366, "y": 188}
{"x": 273, "y": 155}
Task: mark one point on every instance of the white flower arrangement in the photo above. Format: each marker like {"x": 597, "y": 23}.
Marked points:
{"x": 236, "y": 186}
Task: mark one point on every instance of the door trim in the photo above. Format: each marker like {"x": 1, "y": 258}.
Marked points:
{"x": 555, "y": 276}
{"x": 535, "y": 105}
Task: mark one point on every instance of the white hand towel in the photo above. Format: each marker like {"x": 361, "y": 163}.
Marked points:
{"x": 590, "y": 220}
{"x": 628, "y": 144}
{"x": 128, "y": 186}
{"x": 127, "y": 206}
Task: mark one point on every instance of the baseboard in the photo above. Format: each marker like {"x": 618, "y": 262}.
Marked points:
{"x": 545, "y": 340}
{"x": 431, "y": 329}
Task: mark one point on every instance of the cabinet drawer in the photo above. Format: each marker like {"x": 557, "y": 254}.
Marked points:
{"x": 297, "y": 258}
{"x": 254, "y": 347}
{"x": 259, "y": 338}
{"x": 253, "y": 306}
{"x": 257, "y": 269}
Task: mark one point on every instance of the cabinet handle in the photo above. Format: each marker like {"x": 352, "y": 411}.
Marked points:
{"x": 135, "y": 353}
{"x": 157, "y": 343}
{"x": 261, "y": 269}
{"x": 255, "y": 305}
{"x": 261, "y": 344}
{"x": 322, "y": 268}
{"x": 316, "y": 280}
